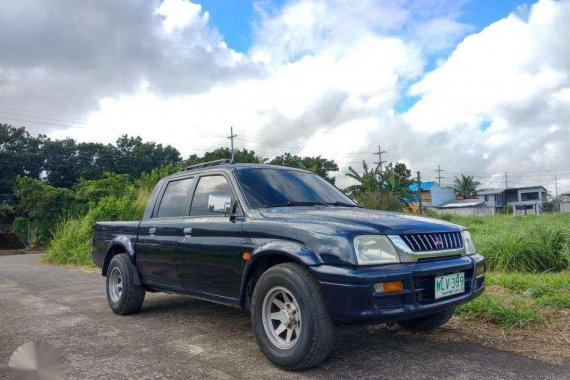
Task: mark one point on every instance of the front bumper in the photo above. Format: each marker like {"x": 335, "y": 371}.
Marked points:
{"x": 350, "y": 297}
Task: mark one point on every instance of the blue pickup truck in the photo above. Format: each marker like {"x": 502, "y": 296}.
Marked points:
{"x": 294, "y": 251}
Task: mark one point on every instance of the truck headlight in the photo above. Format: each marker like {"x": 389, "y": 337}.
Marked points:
{"x": 468, "y": 243}
{"x": 374, "y": 249}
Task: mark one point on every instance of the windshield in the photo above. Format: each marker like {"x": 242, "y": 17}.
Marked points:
{"x": 266, "y": 187}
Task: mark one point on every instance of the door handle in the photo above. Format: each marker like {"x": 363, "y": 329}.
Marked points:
{"x": 187, "y": 231}
{"x": 151, "y": 231}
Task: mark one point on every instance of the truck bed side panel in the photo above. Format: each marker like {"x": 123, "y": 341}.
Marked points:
{"x": 106, "y": 233}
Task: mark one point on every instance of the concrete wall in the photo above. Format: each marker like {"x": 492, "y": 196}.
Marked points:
{"x": 565, "y": 207}
{"x": 465, "y": 211}
{"x": 440, "y": 195}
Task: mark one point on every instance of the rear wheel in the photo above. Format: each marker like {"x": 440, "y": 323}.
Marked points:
{"x": 123, "y": 295}
{"x": 428, "y": 322}
{"x": 290, "y": 320}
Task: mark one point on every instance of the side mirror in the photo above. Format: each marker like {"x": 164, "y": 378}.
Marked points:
{"x": 233, "y": 209}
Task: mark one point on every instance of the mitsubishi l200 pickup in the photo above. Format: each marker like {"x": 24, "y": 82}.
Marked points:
{"x": 294, "y": 251}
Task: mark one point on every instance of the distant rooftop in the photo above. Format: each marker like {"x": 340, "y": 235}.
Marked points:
{"x": 462, "y": 203}
{"x": 501, "y": 190}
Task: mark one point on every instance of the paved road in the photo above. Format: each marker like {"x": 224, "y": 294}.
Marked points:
{"x": 176, "y": 337}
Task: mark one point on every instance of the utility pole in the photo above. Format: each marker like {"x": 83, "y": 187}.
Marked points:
{"x": 439, "y": 177}
{"x": 506, "y": 180}
{"x": 556, "y": 203}
{"x": 379, "y": 154}
{"x": 420, "y": 193}
{"x": 231, "y": 137}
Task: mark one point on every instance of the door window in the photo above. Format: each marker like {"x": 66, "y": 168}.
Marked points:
{"x": 212, "y": 197}
{"x": 174, "y": 198}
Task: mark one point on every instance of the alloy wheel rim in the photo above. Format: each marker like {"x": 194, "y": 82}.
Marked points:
{"x": 115, "y": 285}
{"x": 281, "y": 317}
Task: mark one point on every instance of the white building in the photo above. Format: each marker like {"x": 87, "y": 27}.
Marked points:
{"x": 523, "y": 200}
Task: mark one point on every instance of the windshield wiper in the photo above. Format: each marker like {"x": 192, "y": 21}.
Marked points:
{"x": 337, "y": 203}
{"x": 296, "y": 203}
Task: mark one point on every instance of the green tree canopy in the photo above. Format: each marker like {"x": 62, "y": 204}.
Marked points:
{"x": 317, "y": 165}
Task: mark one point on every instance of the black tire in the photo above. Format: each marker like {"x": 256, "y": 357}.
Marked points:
{"x": 428, "y": 322}
{"x": 317, "y": 330}
{"x": 131, "y": 296}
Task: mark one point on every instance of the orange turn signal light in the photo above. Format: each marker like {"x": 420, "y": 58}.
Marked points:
{"x": 480, "y": 270}
{"x": 389, "y": 287}
{"x": 246, "y": 256}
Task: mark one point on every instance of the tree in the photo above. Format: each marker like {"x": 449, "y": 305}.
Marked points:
{"x": 318, "y": 165}
{"x": 396, "y": 179}
{"x": 19, "y": 156}
{"x": 369, "y": 180}
{"x": 466, "y": 186}
{"x": 240, "y": 155}
{"x": 382, "y": 189}
{"x": 132, "y": 156}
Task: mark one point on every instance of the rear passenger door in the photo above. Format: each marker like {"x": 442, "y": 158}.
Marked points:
{"x": 158, "y": 236}
{"x": 209, "y": 249}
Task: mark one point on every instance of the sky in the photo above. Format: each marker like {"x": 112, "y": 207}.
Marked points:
{"x": 479, "y": 87}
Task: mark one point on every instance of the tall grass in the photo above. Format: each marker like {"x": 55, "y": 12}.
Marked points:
{"x": 71, "y": 243}
{"x": 521, "y": 243}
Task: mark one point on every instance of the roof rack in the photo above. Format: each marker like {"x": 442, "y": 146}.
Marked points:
{"x": 209, "y": 163}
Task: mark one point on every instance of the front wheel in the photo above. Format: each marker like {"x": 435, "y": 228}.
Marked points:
{"x": 289, "y": 317}
{"x": 123, "y": 295}
{"x": 428, "y": 322}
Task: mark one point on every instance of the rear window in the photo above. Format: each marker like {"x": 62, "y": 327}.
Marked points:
{"x": 174, "y": 198}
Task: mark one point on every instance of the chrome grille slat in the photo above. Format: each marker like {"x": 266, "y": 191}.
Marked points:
{"x": 434, "y": 241}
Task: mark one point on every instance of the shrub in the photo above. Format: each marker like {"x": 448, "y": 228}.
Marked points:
{"x": 45, "y": 206}
{"x": 382, "y": 200}
{"x": 71, "y": 243}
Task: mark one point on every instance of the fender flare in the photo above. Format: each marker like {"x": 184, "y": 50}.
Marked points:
{"x": 121, "y": 243}
{"x": 292, "y": 250}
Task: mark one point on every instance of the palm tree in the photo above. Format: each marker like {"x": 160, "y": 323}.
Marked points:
{"x": 466, "y": 186}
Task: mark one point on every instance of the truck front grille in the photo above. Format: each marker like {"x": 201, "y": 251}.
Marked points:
{"x": 434, "y": 241}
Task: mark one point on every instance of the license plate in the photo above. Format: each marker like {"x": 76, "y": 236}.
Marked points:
{"x": 449, "y": 285}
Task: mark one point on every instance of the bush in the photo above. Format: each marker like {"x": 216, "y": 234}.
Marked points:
{"x": 45, "y": 206}
{"x": 71, "y": 243}
{"x": 382, "y": 200}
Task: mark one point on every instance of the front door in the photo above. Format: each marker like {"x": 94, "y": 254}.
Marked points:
{"x": 158, "y": 236}
{"x": 209, "y": 249}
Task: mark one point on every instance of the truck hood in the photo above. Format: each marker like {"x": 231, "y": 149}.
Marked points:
{"x": 352, "y": 218}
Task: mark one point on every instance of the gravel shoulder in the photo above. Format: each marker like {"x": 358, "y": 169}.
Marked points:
{"x": 177, "y": 337}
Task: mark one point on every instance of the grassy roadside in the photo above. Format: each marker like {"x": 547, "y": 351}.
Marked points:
{"x": 520, "y": 300}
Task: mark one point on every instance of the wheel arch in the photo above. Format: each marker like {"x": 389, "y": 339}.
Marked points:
{"x": 269, "y": 255}
{"x": 120, "y": 244}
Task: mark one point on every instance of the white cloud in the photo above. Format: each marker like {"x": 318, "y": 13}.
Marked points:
{"x": 320, "y": 78}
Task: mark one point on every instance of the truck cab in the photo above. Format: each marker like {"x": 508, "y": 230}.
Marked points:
{"x": 294, "y": 251}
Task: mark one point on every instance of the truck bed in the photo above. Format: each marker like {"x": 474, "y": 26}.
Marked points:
{"x": 105, "y": 232}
